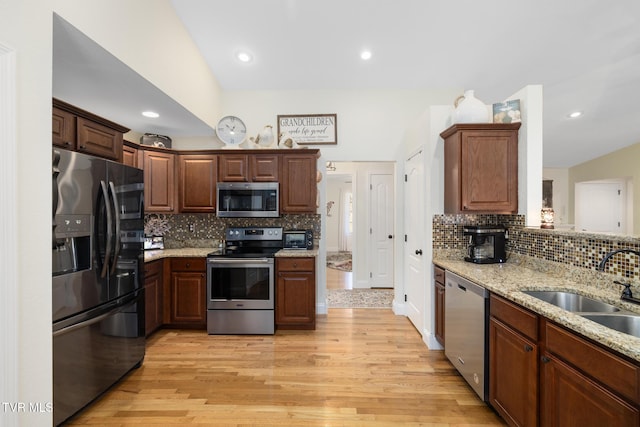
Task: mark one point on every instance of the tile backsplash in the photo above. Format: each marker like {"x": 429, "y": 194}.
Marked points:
{"x": 207, "y": 230}
{"x": 575, "y": 249}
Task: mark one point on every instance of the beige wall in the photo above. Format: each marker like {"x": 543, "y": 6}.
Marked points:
{"x": 619, "y": 164}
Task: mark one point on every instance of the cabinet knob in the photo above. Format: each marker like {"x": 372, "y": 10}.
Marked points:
{"x": 67, "y": 143}
{"x": 295, "y": 265}
{"x": 188, "y": 265}
{"x": 418, "y": 251}
{"x": 545, "y": 359}
{"x": 528, "y": 348}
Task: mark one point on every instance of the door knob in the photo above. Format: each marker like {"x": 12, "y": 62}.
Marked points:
{"x": 418, "y": 251}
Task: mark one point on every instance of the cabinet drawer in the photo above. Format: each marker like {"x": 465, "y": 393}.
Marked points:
{"x": 152, "y": 268}
{"x": 296, "y": 264}
{"x": 613, "y": 371}
{"x": 515, "y": 316}
{"x": 438, "y": 273}
{"x": 188, "y": 264}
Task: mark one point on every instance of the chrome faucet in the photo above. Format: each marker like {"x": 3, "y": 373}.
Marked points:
{"x": 626, "y": 293}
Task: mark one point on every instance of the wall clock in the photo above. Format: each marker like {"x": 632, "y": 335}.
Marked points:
{"x": 231, "y": 130}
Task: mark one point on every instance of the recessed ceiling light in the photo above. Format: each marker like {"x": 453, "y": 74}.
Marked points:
{"x": 151, "y": 114}
{"x": 244, "y": 57}
{"x": 575, "y": 114}
{"x": 365, "y": 55}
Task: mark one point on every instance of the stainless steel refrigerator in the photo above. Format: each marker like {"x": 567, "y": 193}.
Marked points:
{"x": 97, "y": 263}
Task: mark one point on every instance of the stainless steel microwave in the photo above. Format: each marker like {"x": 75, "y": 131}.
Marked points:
{"x": 248, "y": 199}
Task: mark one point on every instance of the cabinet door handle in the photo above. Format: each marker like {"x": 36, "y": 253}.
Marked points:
{"x": 528, "y": 348}
{"x": 295, "y": 265}
{"x": 545, "y": 359}
{"x": 188, "y": 265}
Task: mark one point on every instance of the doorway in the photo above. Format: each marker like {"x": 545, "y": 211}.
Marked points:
{"x": 360, "y": 233}
{"x": 602, "y": 206}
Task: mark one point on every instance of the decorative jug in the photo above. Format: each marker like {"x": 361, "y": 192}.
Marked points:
{"x": 470, "y": 109}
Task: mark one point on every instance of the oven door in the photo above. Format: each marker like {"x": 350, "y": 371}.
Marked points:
{"x": 240, "y": 284}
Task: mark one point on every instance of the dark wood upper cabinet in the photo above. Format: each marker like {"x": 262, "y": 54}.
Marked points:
{"x": 63, "y": 129}
{"x": 233, "y": 168}
{"x": 264, "y": 168}
{"x": 197, "y": 175}
{"x": 159, "y": 181}
{"x": 298, "y": 187}
{"x": 76, "y": 129}
{"x": 481, "y": 168}
{"x": 248, "y": 167}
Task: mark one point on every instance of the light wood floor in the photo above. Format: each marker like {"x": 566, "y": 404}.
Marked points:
{"x": 337, "y": 279}
{"x": 361, "y": 367}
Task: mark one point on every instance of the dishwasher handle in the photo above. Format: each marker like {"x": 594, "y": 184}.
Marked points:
{"x": 462, "y": 287}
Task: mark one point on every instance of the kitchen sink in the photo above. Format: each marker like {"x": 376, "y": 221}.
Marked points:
{"x": 625, "y": 323}
{"x": 573, "y": 302}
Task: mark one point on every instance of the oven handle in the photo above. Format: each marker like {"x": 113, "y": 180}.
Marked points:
{"x": 240, "y": 260}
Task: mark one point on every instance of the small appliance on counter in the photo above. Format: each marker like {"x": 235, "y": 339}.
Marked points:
{"x": 486, "y": 243}
{"x": 297, "y": 239}
{"x": 153, "y": 242}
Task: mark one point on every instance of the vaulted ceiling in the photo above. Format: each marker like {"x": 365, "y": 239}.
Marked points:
{"x": 585, "y": 53}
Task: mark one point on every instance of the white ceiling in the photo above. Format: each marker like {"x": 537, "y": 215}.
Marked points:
{"x": 585, "y": 53}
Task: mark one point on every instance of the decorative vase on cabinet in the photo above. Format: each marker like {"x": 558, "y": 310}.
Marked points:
{"x": 470, "y": 109}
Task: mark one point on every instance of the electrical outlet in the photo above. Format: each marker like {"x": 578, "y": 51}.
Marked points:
{"x": 192, "y": 228}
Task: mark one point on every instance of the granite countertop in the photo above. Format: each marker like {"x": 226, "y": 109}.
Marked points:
{"x": 511, "y": 278}
{"x": 152, "y": 255}
{"x": 293, "y": 253}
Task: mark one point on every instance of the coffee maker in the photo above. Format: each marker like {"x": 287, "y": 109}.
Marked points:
{"x": 486, "y": 243}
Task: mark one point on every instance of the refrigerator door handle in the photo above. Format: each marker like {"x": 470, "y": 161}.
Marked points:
{"x": 111, "y": 308}
{"x": 107, "y": 251}
{"x": 116, "y": 210}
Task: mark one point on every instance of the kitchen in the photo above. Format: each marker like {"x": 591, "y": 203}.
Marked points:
{"x": 32, "y": 328}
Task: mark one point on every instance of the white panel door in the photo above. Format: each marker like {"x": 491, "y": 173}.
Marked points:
{"x": 600, "y": 206}
{"x": 381, "y": 230}
{"x": 415, "y": 271}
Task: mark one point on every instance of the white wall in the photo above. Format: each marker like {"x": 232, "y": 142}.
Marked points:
{"x": 25, "y": 27}
{"x": 149, "y": 37}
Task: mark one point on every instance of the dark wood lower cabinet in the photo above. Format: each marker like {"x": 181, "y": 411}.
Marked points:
{"x": 439, "y": 309}
{"x": 544, "y": 374}
{"x": 153, "y": 286}
{"x": 570, "y": 398}
{"x": 513, "y": 363}
{"x": 187, "y": 293}
{"x": 295, "y": 293}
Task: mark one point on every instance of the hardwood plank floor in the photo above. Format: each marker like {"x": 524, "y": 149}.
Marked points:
{"x": 361, "y": 367}
{"x": 337, "y": 279}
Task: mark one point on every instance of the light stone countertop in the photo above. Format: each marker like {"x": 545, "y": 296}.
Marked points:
{"x": 294, "y": 253}
{"x": 152, "y": 255}
{"x": 509, "y": 279}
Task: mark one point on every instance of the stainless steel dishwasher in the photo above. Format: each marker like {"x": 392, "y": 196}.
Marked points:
{"x": 466, "y": 338}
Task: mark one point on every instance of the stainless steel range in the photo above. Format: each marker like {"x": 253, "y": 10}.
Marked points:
{"x": 241, "y": 283}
